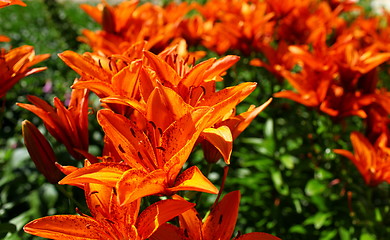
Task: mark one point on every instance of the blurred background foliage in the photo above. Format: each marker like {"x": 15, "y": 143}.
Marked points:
{"x": 292, "y": 184}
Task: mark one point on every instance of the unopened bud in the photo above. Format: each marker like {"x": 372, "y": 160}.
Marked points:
{"x": 41, "y": 152}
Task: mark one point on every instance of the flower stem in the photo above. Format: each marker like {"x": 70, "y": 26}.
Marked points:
{"x": 72, "y": 199}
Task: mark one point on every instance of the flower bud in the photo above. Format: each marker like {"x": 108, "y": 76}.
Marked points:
{"x": 41, "y": 152}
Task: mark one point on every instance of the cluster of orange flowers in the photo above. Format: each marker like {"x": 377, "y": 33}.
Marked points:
{"x": 156, "y": 109}
{"x": 333, "y": 65}
{"x": 338, "y": 64}
{"x": 330, "y": 61}
{"x": 158, "y": 105}
{"x": 15, "y": 64}
{"x": 128, "y": 23}
{"x": 310, "y": 43}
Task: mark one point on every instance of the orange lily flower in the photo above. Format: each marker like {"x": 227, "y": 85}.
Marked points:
{"x": 339, "y": 80}
{"x": 110, "y": 220}
{"x": 353, "y": 62}
{"x": 68, "y": 125}
{"x": 15, "y": 64}
{"x": 296, "y": 20}
{"x": 219, "y": 224}
{"x": 242, "y": 25}
{"x": 364, "y": 31}
{"x": 128, "y": 23}
{"x": 218, "y": 141}
{"x": 155, "y": 162}
{"x": 172, "y": 82}
{"x": 4, "y": 3}
{"x": 328, "y": 18}
{"x": 378, "y": 115}
{"x": 117, "y": 75}
{"x": 340, "y": 103}
{"x": 284, "y": 8}
{"x": 219, "y": 127}
{"x": 293, "y": 16}
{"x": 196, "y": 87}
{"x": 313, "y": 82}
{"x": 357, "y": 78}
{"x": 346, "y": 5}
{"x": 192, "y": 84}
{"x": 4, "y": 38}
{"x": 372, "y": 160}
{"x": 192, "y": 29}
{"x": 112, "y": 21}
{"x": 377, "y": 122}
{"x": 41, "y": 152}
{"x": 276, "y": 58}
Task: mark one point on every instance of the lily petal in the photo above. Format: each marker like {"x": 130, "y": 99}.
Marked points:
{"x": 158, "y": 213}
{"x": 67, "y": 227}
{"x": 309, "y": 99}
{"x": 85, "y": 66}
{"x": 135, "y": 184}
{"x": 102, "y": 89}
{"x": 257, "y": 236}
{"x": 220, "y": 66}
{"x": 169, "y": 232}
{"x": 165, "y": 73}
{"x": 226, "y": 99}
{"x": 101, "y": 173}
{"x": 131, "y": 143}
{"x": 164, "y": 106}
{"x": 248, "y": 117}
{"x": 178, "y": 149}
{"x": 221, "y": 221}
{"x": 345, "y": 153}
{"x": 222, "y": 139}
{"x": 194, "y": 180}
{"x": 191, "y": 222}
{"x": 135, "y": 104}
{"x": 195, "y": 77}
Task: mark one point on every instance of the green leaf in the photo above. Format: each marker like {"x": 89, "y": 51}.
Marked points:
{"x": 288, "y": 161}
{"x": 269, "y": 128}
{"x": 378, "y": 215}
{"x": 297, "y": 229}
{"x": 297, "y": 205}
{"x": 344, "y": 234}
{"x": 7, "y": 228}
{"x": 318, "y": 220}
{"x": 328, "y": 235}
{"x": 323, "y": 174}
{"x": 367, "y": 236}
{"x": 278, "y": 182}
{"x": 314, "y": 187}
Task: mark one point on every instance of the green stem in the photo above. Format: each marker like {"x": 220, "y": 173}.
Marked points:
{"x": 69, "y": 195}
{"x": 209, "y": 167}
